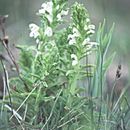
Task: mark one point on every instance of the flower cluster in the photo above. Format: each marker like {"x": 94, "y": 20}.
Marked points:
{"x": 48, "y": 31}
{"x": 90, "y": 29}
{"x": 79, "y": 34}
{"x": 47, "y": 11}
{"x": 34, "y": 31}
{"x": 72, "y": 37}
{"x": 87, "y": 44}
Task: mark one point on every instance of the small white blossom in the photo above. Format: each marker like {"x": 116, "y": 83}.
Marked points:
{"x": 34, "y": 30}
{"x": 90, "y": 45}
{"x": 74, "y": 59}
{"x": 61, "y": 14}
{"x": 72, "y": 39}
{"x": 76, "y": 32}
{"x": 48, "y": 31}
{"x": 59, "y": 17}
{"x": 90, "y": 32}
{"x": 41, "y": 11}
{"x": 90, "y": 28}
{"x": 86, "y": 41}
{"x": 64, "y": 12}
{"x": 47, "y": 7}
{"x": 37, "y": 41}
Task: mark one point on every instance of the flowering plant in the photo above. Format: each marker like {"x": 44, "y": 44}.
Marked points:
{"x": 54, "y": 65}
{"x": 50, "y": 93}
{"x": 59, "y": 51}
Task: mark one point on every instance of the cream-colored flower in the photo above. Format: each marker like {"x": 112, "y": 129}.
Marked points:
{"x": 93, "y": 43}
{"x": 46, "y": 7}
{"x": 41, "y": 11}
{"x": 85, "y": 42}
{"x": 61, "y": 14}
{"x": 37, "y": 41}
{"x": 48, "y": 31}
{"x": 90, "y": 45}
{"x": 46, "y": 10}
{"x": 34, "y": 30}
{"x": 76, "y": 32}
{"x": 90, "y": 32}
{"x": 74, "y": 59}
{"x": 72, "y": 39}
{"x": 91, "y": 26}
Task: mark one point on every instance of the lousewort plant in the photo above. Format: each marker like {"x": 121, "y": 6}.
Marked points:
{"x": 49, "y": 93}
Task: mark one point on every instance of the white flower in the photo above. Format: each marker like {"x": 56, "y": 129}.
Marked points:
{"x": 61, "y": 14}
{"x": 49, "y": 7}
{"x": 72, "y": 39}
{"x": 90, "y": 32}
{"x": 34, "y": 30}
{"x": 33, "y": 26}
{"x": 46, "y": 7}
{"x": 90, "y": 45}
{"x": 41, "y": 11}
{"x": 64, "y": 12}
{"x": 90, "y": 28}
{"x": 48, "y": 31}
{"x": 37, "y": 41}
{"x": 76, "y": 32}
{"x": 74, "y": 59}
{"x": 59, "y": 17}
{"x": 86, "y": 41}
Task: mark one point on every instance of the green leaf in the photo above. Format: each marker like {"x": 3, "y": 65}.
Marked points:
{"x": 108, "y": 62}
